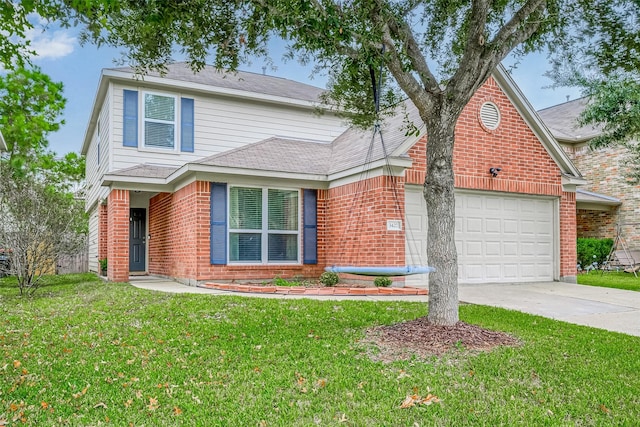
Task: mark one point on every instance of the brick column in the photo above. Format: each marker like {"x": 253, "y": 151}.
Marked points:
{"x": 103, "y": 226}
{"x": 568, "y": 233}
{"x": 118, "y": 236}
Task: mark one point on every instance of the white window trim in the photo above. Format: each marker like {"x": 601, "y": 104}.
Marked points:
{"x": 142, "y": 120}
{"x": 264, "y": 231}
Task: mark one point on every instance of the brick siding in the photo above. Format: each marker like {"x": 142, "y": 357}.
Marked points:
{"x": 598, "y": 224}
{"x": 118, "y": 236}
{"x": 605, "y": 170}
{"x": 103, "y": 224}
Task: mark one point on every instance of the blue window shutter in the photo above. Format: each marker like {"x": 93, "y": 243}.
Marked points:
{"x": 186, "y": 125}
{"x": 310, "y": 220}
{"x": 130, "y": 119}
{"x": 218, "y": 223}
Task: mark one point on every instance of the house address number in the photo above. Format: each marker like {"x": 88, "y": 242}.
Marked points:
{"x": 394, "y": 225}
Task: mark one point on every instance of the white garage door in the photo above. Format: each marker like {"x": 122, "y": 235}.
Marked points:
{"x": 499, "y": 238}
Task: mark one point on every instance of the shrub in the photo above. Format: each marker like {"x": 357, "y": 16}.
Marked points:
{"x": 329, "y": 279}
{"x": 591, "y": 249}
{"x": 382, "y": 282}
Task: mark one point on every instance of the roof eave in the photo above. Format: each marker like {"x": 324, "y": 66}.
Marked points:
{"x": 113, "y": 74}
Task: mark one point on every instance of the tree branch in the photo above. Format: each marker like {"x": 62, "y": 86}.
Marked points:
{"x": 480, "y": 59}
{"x": 513, "y": 30}
{"x": 401, "y": 29}
{"x": 406, "y": 80}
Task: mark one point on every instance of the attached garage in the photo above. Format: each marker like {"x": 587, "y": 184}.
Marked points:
{"x": 500, "y": 237}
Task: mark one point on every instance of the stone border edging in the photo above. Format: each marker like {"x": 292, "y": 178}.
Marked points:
{"x": 301, "y": 290}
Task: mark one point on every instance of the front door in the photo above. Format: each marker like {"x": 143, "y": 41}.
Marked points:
{"x": 137, "y": 239}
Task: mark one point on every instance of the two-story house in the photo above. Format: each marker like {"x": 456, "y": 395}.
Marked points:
{"x": 216, "y": 176}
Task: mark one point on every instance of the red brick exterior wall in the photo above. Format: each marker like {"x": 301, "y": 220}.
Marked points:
{"x": 568, "y": 249}
{"x": 102, "y": 231}
{"x": 118, "y": 236}
{"x": 526, "y": 166}
{"x": 179, "y": 225}
{"x": 598, "y": 224}
{"x": 357, "y": 217}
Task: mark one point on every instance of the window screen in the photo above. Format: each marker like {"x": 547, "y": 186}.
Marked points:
{"x": 159, "y": 121}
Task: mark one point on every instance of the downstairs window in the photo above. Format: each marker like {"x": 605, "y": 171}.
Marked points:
{"x": 263, "y": 225}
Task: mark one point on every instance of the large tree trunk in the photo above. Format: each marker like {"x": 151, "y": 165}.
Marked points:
{"x": 439, "y": 194}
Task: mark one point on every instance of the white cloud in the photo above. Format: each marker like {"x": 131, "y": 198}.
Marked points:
{"x": 51, "y": 44}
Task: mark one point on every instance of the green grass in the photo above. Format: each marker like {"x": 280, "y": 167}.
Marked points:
{"x": 618, "y": 280}
{"x": 83, "y": 352}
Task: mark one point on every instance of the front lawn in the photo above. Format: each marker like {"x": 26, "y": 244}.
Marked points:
{"x": 618, "y": 280}
{"x": 83, "y": 352}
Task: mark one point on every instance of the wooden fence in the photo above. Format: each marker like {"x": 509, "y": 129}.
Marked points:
{"x": 73, "y": 263}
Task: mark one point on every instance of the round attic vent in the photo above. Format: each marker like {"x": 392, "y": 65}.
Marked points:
{"x": 490, "y": 115}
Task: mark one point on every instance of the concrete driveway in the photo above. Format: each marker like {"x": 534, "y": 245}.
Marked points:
{"x": 605, "y": 308}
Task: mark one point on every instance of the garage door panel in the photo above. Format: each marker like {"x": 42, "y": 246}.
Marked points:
{"x": 472, "y": 248}
{"x": 510, "y": 226}
{"x": 502, "y": 237}
{"x": 493, "y": 226}
{"x": 510, "y": 272}
{"x": 473, "y": 225}
{"x": 493, "y": 248}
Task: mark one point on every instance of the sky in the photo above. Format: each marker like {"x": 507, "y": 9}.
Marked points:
{"x": 61, "y": 56}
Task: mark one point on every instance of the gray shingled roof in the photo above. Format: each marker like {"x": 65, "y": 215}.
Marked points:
{"x": 276, "y": 154}
{"x": 350, "y": 149}
{"x": 562, "y": 121}
{"x": 240, "y": 80}
{"x": 146, "y": 171}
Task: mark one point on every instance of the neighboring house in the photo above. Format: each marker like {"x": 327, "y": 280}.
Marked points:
{"x": 236, "y": 177}
{"x": 609, "y": 199}
{"x": 3, "y": 144}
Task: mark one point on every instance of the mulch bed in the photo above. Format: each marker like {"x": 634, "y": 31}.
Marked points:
{"x": 420, "y": 338}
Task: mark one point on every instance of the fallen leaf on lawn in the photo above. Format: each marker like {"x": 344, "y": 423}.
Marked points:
{"x": 100, "y": 405}
{"x": 429, "y": 399}
{"x": 128, "y": 403}
{"x": 343, "y": 419}
{"x": 177, "y": 411}
{"x": 604, "y": 409}
{"x": 16, "y": 364}
{"x": 408, "y": 402}
{"x": 44, "y": 405}
{"x": 81, "y": 393}
{"x": 153, "y": 404}
{"x": 415, "y": 399}
{"x": 321, "y": 383}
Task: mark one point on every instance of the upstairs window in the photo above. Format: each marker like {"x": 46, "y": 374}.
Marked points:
{"x": 159, "y": 121}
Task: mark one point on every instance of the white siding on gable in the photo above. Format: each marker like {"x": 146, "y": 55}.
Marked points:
{"x": 95, "y": 170}
{"x": 222, "y": 124}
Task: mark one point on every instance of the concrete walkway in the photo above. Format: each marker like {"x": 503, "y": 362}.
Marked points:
{"x": 604, "y": 308}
